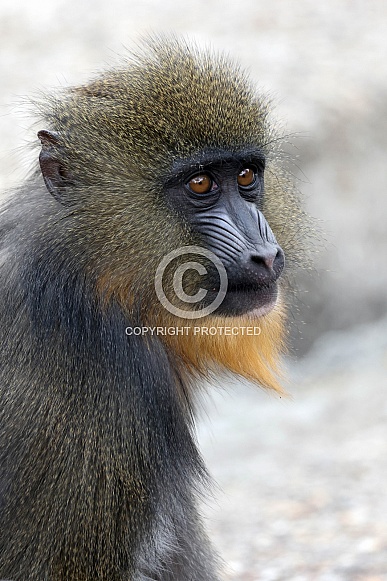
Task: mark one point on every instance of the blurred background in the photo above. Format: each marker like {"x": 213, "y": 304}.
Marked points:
{"x": 300, "y": 484}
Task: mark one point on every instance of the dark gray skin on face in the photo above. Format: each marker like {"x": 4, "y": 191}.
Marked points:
{"x": 229, "y": 219}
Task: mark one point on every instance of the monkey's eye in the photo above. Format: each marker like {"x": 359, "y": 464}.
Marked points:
{"x": 247, "y": 178}
{"x": 201, "y": 184}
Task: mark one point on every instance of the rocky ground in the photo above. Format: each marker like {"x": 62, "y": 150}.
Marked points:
{"x": 302, "y": 482}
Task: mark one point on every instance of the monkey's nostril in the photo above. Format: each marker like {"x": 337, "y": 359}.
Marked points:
{"x": 269, "y": 261}
{"x": 266, "y": 258}
{"x": 264, "y": 261}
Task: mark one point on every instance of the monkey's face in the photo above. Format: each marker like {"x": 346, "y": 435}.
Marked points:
{"x": 221, "y": 198}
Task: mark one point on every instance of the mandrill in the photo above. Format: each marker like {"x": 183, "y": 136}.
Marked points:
{"x": 159, "y": 207}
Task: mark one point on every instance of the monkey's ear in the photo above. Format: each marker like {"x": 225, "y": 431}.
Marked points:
{"x": 55, "y": 176}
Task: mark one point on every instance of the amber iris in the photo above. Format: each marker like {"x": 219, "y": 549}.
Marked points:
{"x": 200, "y": 184}
{"x": 246, "y": 177}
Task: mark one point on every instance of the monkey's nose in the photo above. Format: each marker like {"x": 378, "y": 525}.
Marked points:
{"x": 268, "y": 263}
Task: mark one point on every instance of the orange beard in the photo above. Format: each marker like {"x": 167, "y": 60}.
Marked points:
{"x": 254, "y": 357}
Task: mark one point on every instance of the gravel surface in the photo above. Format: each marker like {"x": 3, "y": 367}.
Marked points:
{"x": 303, "y": 481}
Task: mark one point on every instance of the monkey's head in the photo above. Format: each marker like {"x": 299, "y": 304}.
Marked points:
{"x": 172, "y": 160}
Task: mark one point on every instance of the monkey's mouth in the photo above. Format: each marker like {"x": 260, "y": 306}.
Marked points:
{"x": 251, "y": 299}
